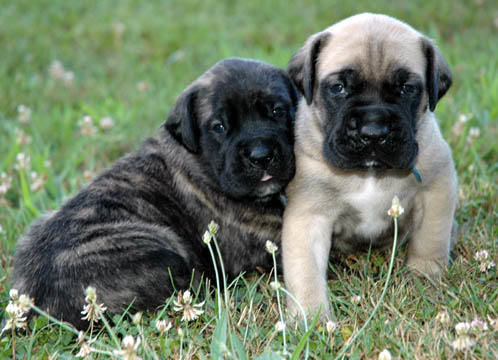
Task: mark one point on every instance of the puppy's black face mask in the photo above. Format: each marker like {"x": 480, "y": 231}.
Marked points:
{"x": 371, "y": 126}
{"x": 369, "y": 123}
{"x": 242, "y": 130}
{"x": 248, "y": 138}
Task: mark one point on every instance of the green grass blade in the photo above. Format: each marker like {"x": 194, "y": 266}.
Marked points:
{"x": 219, "y": 340}
{"x": 302, "y": 342}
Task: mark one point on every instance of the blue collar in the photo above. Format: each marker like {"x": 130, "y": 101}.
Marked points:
{"x": 416, "y": 173}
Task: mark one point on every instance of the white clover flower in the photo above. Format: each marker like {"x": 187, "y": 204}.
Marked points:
{"x": 87, "y": 126}
{"x": 462, "y": 343}
{"x": 16, "y": 310}
{"x": 91, "y": 294}
{"x": 180, "y": 332}
{"x": 480, "y": 325}
{"x": 275, "y": 285}
{"x": 483, "y": 266}
{"x": 92, "y": 311}
{"x": 3, "y": 189}
{"x": 22, "y": 138}
{"x": 143, "y": 86}
{"x": 85, "y": 350}
{"x": 178, "y": 55}
{"x": 23, "y": 114}
{"x": 12, "y": 309}
{"x": 56, "y": 70}
{"x": 24, "y": 303}
{"x": 458, "y": 128}
{"x": 13, "y": 322}
{"x": 5, "y": 183}
{"x": 355, "y": 299}
{"x": 481, "y": 255}
{"x": 68, "y": 78}
{"x": 85, "y": 347}
{"x": 213, "y": 228}
{"x": 184, "y": 303}
{"x": 443, "y": 317}
{"x": 385, "y": 355}
{"x": 106, "y": 123}
{"x": 396, "y": 209}
{"x": 137, "y": 318}
{"x": 118, "y": 29}
{"x": 474, "y": 132}
{"x": 129, "y": 348}
{"x": 462, "y": 328}
{"x": 81, "y": 337}
{"x": 23, "y": 162}
{"x": 206, "y": 238}
{"x": 463, "y": 118}
{"x": 280, "y": 326}
{"x": 331, "y": 326}
{"x": 14, "y": 294}
{"x": 88, "y": 175}
{"x": 493, "y": 322}
{"x": 271, "y": 247}
{"x": 37, "y": 182}
{"x": 163, "y": 327}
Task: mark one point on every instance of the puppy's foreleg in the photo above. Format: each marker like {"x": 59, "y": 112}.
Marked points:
{"x": 430, "y": 245}
{"x": 306, "y": 240}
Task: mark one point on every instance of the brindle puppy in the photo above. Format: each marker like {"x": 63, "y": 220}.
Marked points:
{"x": 224, "y": 154}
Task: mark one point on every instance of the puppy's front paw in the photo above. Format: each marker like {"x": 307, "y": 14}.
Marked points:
{"x": 310, "y": 308}
{"x": 427, "y": 267}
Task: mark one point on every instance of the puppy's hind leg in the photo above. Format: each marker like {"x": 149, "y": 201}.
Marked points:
{"x": 142, "y": 267}
{"x": 127, "y": 263}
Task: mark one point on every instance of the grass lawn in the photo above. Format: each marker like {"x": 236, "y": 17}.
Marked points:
{"x": 129, "y": 60}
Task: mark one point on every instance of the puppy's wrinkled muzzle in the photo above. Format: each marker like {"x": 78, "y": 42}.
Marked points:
{"x": 373, "y": 133}
{"x": 371, "y": 124}
{"x": 259, "y": 154}
{"x": 371, "y": 138}
{"x": 263, "y": 165}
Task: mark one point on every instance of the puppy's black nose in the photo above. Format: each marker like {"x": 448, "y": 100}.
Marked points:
{"x": 373, "y": 132}
{"x": 260, "y": 155}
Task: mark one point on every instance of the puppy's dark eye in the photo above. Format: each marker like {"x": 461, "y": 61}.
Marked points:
{"x": 337, "y": 89}
{"x": 408, "y": 89}
{"x": 278, "y": 112}
{"x": 218, "y": 128}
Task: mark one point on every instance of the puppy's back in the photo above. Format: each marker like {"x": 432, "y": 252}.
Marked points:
{"x": 113, "y": 235}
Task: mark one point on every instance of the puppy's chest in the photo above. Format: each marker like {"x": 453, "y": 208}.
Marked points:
{"x": 369, "y": 204}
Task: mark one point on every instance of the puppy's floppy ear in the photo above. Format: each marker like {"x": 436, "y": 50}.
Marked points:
{"x": 292, "y": 90}
{"x": 182, "y": 120}
{"x": 438, "y": 74}
{"x": 302, "y": 66}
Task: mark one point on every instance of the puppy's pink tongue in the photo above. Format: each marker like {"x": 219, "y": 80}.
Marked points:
{"x": 266, "y": 177}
